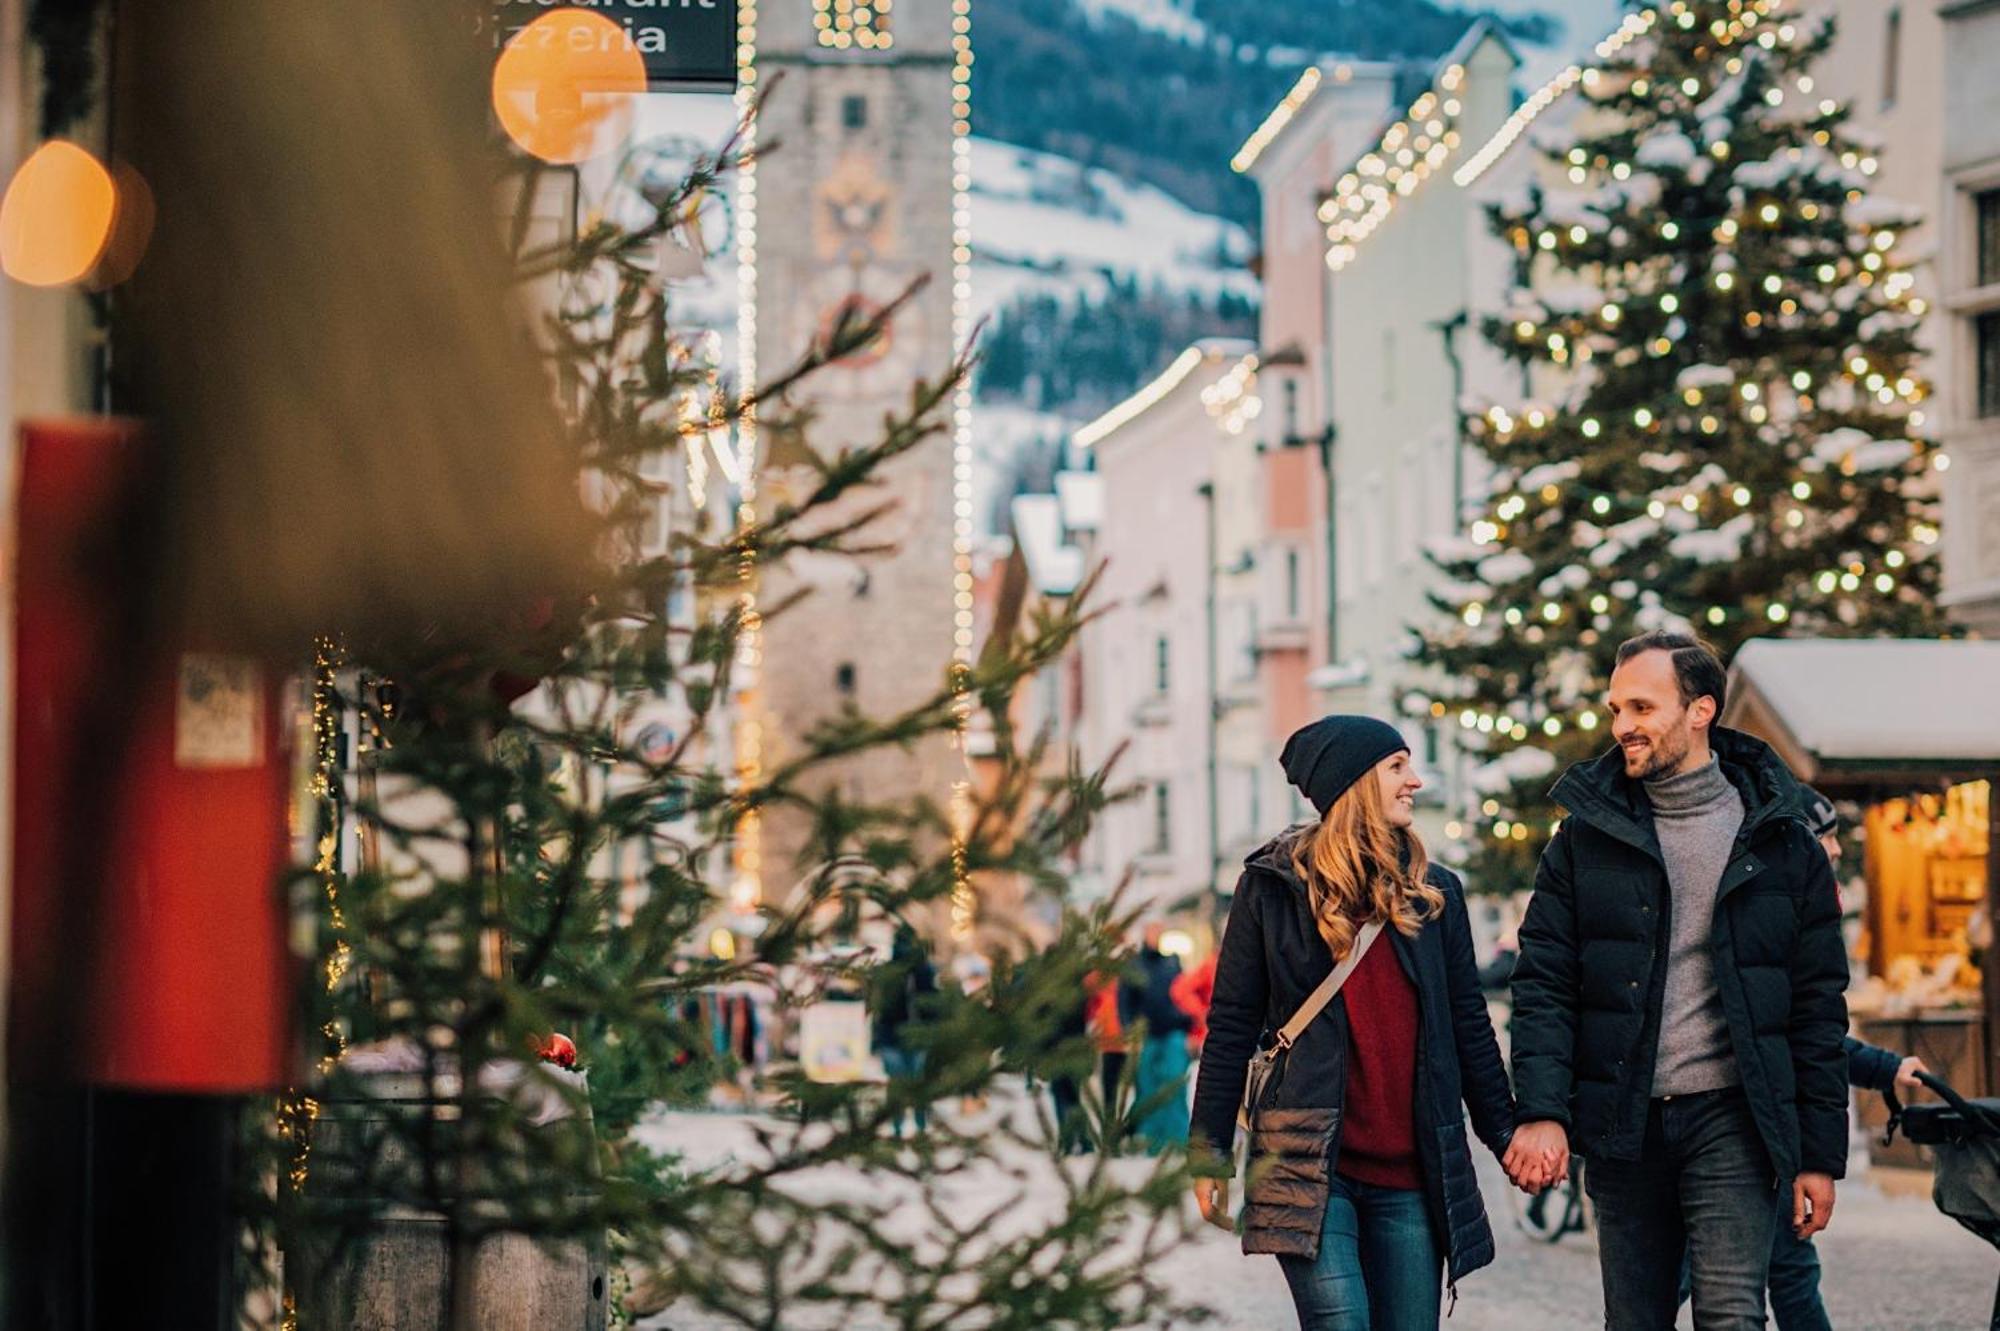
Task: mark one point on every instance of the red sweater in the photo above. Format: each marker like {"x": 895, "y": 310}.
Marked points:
{"x": 1378, "y": 1135}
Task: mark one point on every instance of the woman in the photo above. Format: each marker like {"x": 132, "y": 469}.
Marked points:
{"x": 1361, "y": 1180}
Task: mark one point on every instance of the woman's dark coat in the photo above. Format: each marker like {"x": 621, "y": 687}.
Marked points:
{"x": 1589, "y": 985}
{"x": 1272, "y": 958}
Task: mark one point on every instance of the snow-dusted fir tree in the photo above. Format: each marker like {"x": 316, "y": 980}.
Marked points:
{"x": 1730, "y": 440}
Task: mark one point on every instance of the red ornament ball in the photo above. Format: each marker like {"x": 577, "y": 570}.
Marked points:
{"x": 558, "y": 1049}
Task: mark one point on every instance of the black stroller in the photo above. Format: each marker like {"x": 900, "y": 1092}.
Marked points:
{"x": 1964, "y": 1136}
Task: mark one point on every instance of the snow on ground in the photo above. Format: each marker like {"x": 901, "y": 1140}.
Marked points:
{"x": 1890, "y": 1261}
{"x": 1173, "y": 18}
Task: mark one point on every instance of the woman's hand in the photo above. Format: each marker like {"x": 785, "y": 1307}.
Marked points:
{"x": 1211, "y": 1195}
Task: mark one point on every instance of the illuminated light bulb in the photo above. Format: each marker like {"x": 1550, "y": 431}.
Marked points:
{"x": 1801, "y": 490}
{"x": 565, "y": 87}
{"x": 1795, "y": 519}
{"x": 1577, "y": 235}
{"x": 1848, "y": 582}
{"x": 1942, "y": 462}
{"x": 1777, "y": 613}
{"x": 1801, "y": 380}
{"x": 1773, "y": 283}
{"x": 1642, "y": 418}
{"x": 1690, "y": 502}
{"x": 1670, "y": 230}
{"x": 1473, "y": 614}
{"x": 1656, "y": 510}
{"x": 1552, "y": 727}
{"x": 1591, "y": 428}
{"x": 1600, "y": 505}
{"x": 1551, "y": 612}
{"x": 1884, "y": 583}
{"x": 1611, "y": 313}
{"x": 1669, "y": 303}
{"x": 1587, "y": 721}
{"x": 1514, "y": 616}
{"x": 1894, "y": 559}
{"x": 1827, "y": 272}
{"x": 1724, "y": 281}
{"x": 1690, "y": 85}
{"x": 1599, "y": 603}
{"x": 1716, "y": 615}
{"x": 1828, "y": 581}
{"x": 57, "y": 216}
{"x": 1467, "y": 719}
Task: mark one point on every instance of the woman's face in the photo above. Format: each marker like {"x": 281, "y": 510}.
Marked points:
{"x": 1400, "y": 784}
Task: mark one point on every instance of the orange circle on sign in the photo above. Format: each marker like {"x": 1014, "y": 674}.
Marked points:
{"x": 56, "y": 217}
{"x": 563, "y": 87}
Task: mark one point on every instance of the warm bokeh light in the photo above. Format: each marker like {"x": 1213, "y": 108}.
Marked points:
{"x": 131, "y": 229}
{"x": 563, "y": 88}
{"x": 56, "y": 217}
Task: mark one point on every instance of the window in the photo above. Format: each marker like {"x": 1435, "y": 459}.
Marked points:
{"x": 1291, "y": 585}
{"x": 1892, "y": 56}
{"x": 1291, "y": 408}
{"x": 854, "y": 112}
{"x": 1163, "y": 820}
{"x": 1161, "y": 677}
{"x": 1986, "y": 330}
{"x": 1431, "y": 745}
{"x": 843, "y": 678}
{"x": 1987, "y": 207}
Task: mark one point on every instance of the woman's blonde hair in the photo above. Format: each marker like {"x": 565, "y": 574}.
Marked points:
{"x": 1358, "y": 868}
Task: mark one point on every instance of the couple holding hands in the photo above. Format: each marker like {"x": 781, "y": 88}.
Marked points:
{"x": 1679, "y": 1018}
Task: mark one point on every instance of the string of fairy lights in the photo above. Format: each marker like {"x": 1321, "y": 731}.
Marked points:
{"x": 964, "y": 902}
{"x": 747, "y": 878}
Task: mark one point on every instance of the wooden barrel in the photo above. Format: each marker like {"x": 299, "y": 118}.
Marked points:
{"x": 392, "y": 1272}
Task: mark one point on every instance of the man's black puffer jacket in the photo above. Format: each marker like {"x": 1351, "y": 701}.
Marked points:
{"x": 1591, "y": 977}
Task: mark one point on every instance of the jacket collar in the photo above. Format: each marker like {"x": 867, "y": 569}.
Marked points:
{"x": 1598, "y": 791}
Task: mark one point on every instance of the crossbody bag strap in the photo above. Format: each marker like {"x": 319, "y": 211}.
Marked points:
{"x": 1320, "y": 997}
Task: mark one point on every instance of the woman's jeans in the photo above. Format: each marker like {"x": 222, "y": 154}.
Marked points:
{"x": 1378, "y": 1268}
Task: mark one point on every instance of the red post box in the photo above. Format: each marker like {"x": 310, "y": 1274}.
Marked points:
{"x": 176, "y": 976}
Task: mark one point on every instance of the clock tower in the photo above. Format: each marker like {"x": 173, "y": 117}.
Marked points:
{"x": 855, "y": 200}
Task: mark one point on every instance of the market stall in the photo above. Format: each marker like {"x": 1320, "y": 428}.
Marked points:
{"x": 1906, "y": 735}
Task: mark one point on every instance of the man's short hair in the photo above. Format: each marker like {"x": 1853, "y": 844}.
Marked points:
{"x": 1697, "y": 669}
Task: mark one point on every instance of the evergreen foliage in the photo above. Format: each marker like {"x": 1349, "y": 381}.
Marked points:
{"x": 1722, "y": 330}
{"x": 493, "y": 903}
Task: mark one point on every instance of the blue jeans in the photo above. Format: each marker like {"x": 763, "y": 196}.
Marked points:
{"x": 1378, "y": 1268}
{"x": 1794, "y": 1285}
{"x": 1702, "y": 1184}
{"x": 906, "y": 1065}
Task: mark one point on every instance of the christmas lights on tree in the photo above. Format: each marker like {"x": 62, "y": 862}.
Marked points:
{"x": 1730, "y": 432}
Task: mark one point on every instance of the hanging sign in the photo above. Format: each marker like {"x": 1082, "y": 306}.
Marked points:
{"x": 688, "y": 45}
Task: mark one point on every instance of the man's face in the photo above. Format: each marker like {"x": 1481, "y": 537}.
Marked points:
{"x": 1654, "y": 728}
{"x": 1830, "y": 843}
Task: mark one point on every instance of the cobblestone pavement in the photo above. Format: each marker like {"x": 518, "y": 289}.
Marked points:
{"x": 1891, "y": 1262}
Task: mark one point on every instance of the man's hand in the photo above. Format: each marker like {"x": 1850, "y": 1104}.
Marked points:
{"x": 1538, "y": 1156}
{"x": 1211, "y": 1195}
{"x": 1812, "y": 1203}
{"x": 1906, "y": 1074}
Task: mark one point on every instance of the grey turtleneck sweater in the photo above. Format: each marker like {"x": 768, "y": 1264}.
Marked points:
{"x": 1696, "y": 816}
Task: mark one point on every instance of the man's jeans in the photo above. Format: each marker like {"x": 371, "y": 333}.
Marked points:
{"x": 1795, "y": 1300}
{"x": 1702, "y": 1183}
{"x": 1378, "y": 1267}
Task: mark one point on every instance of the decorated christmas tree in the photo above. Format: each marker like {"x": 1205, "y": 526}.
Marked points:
{"x": 1727, "y": 435}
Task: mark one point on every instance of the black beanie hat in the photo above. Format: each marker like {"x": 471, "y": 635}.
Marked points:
{"x": 1821, "y": 816}
{"x": 1327, "y": 757}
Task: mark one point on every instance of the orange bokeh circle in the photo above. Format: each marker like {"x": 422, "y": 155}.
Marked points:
{"x": 56, "y": 217}
{"x": 563, "y": 87}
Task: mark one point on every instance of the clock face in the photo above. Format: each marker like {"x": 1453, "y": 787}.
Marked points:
{"x": 891, "y": 363}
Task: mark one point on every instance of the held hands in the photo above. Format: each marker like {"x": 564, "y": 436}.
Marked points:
{"x": 1211, "y": 1196}
{"x": 1812, "y": 1204}
{"x": 1538, "y": 1156}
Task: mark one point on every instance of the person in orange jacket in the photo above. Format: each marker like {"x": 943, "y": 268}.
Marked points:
{"x": 1101, "y": 1013}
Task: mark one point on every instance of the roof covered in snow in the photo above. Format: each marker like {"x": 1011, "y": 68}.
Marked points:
{"x": 1054, "y": 566}
{"x": 1871, "y": 706}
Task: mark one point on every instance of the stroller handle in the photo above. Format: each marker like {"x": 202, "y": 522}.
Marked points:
{"x": 1938, "y": 1086}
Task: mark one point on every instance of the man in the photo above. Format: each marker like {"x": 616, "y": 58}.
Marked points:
{"x": 1146, "y": 999}
{"x": 1796, "y": 1304}
{"x": 1678, "y": 1008}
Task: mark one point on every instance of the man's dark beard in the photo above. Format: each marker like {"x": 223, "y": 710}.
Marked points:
{"x": 1664, "y": 756}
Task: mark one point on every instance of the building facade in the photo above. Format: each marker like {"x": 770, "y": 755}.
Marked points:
{"x": 853, "y": 205}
